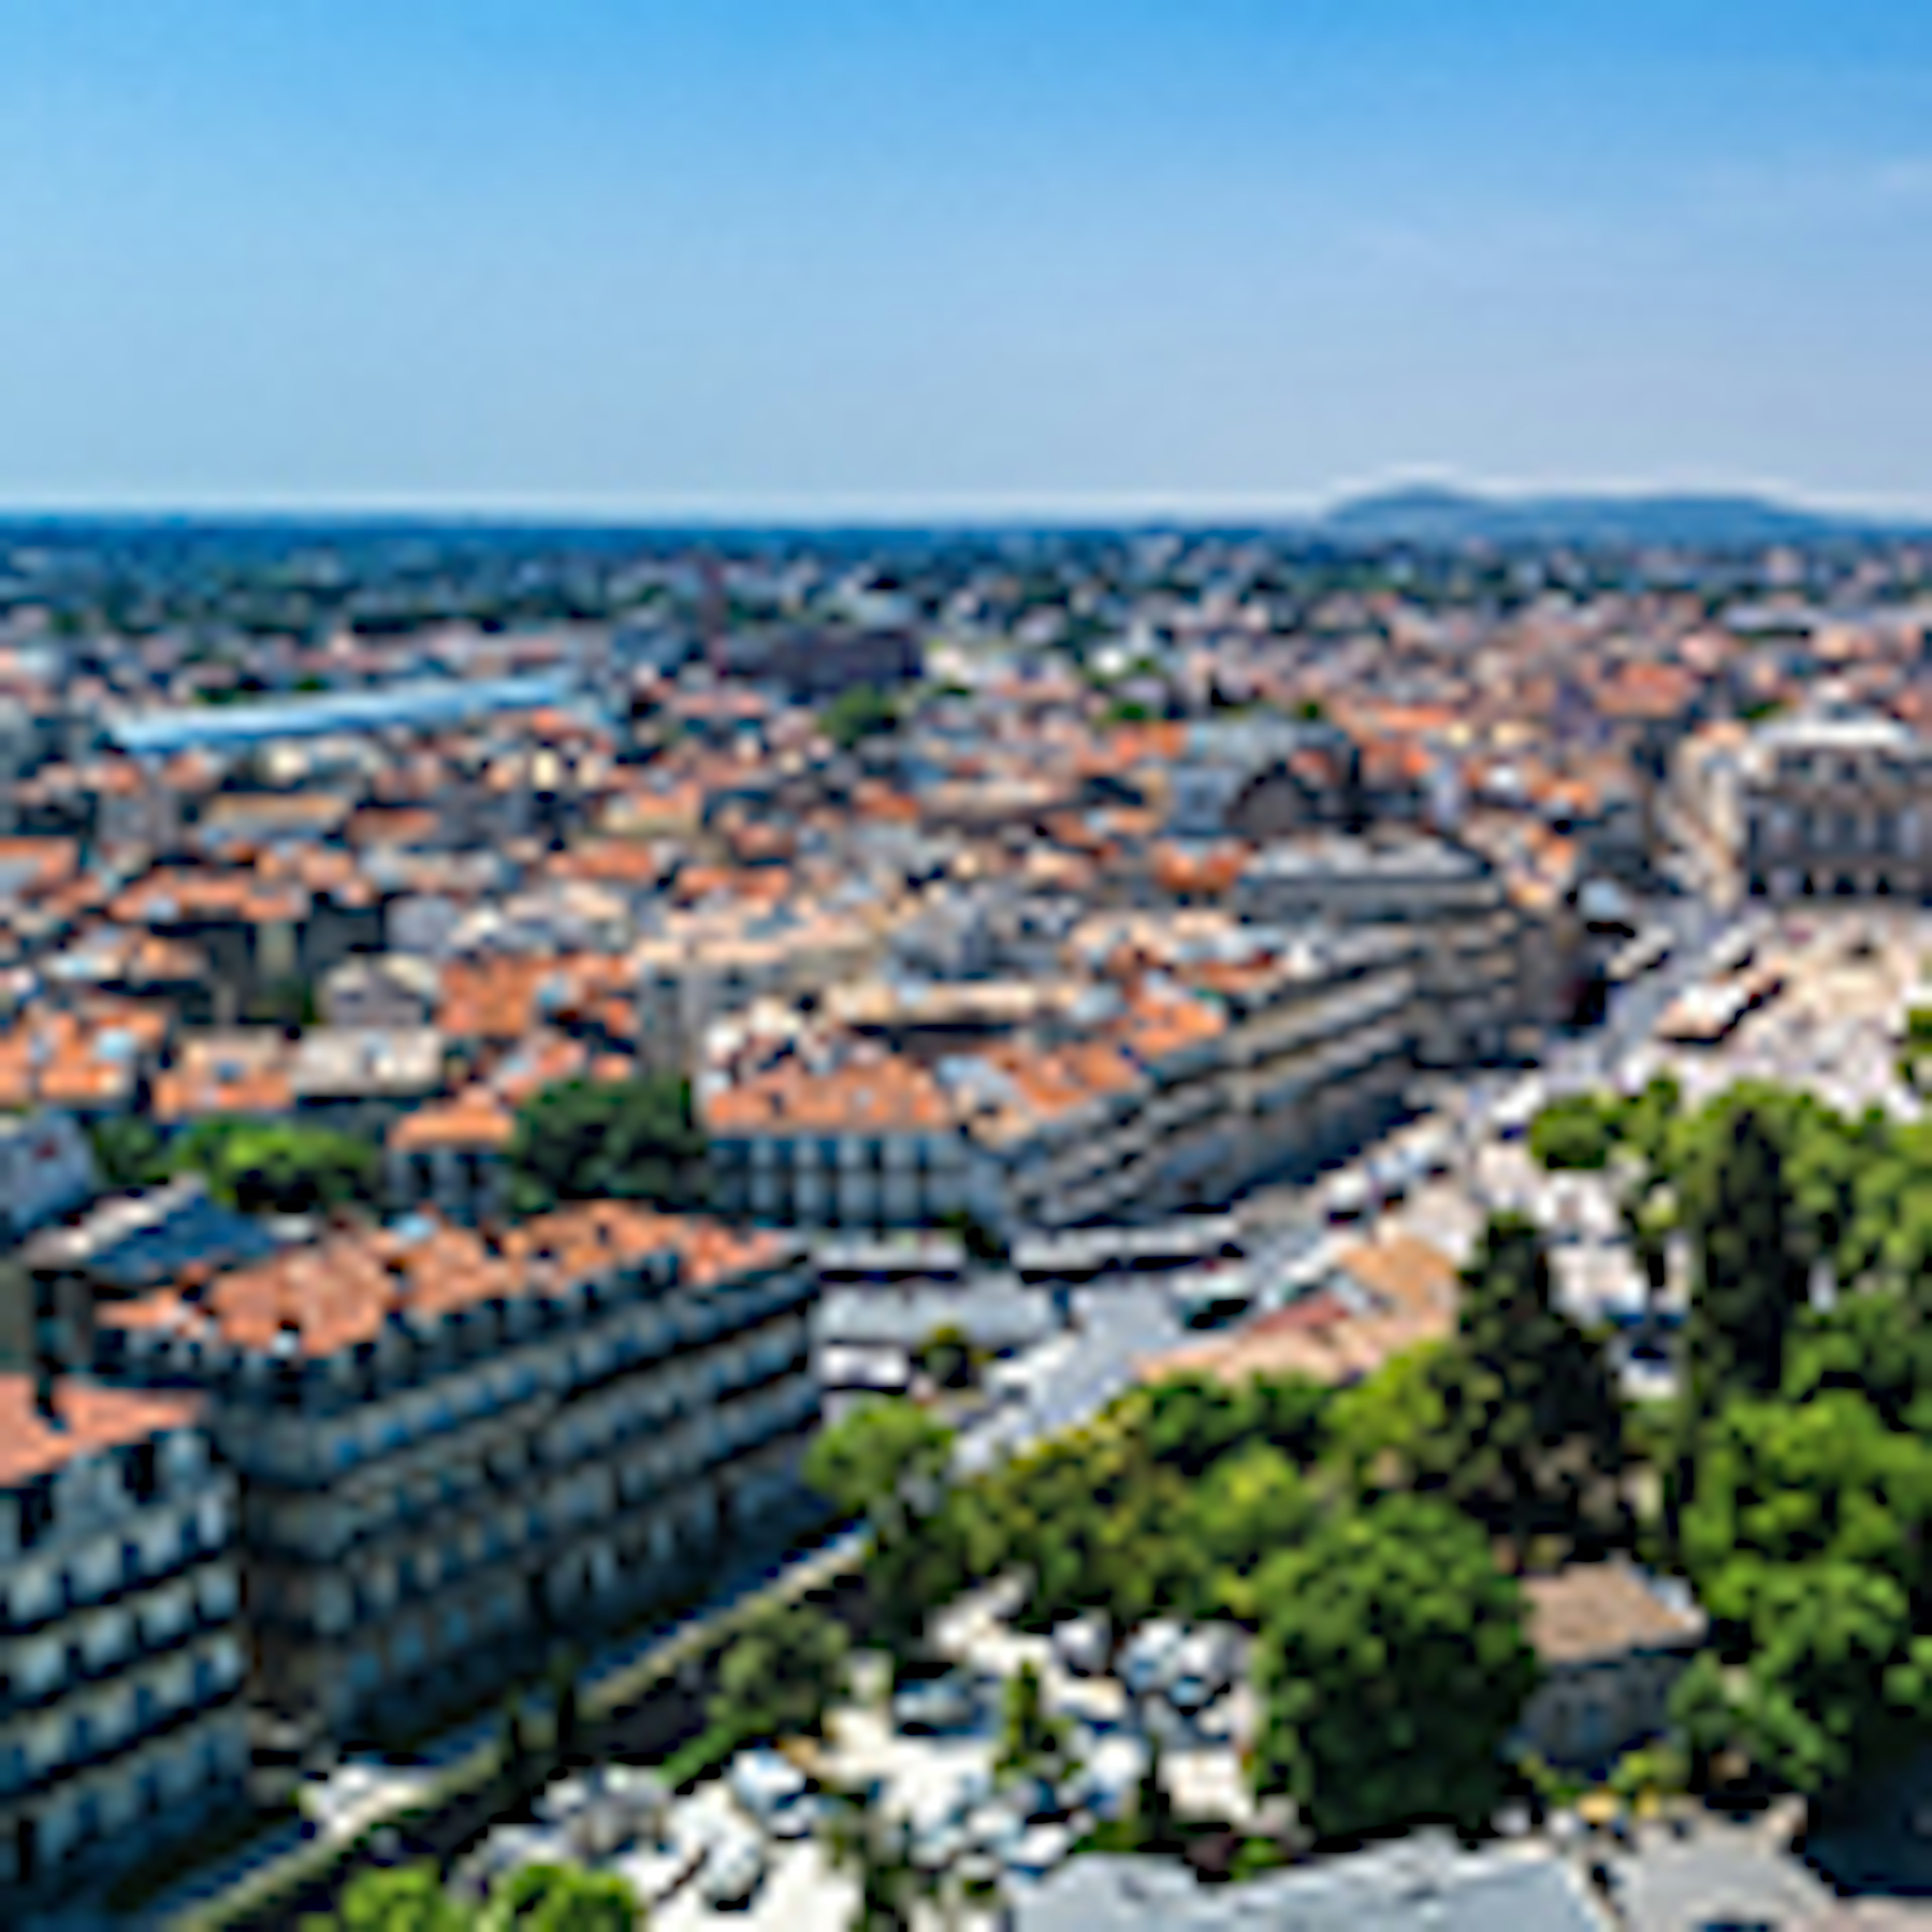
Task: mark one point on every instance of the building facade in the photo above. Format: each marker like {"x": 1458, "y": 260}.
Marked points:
{"x": 1835, "y": 806}
{"x": 121, "y": 1658}
{"x": 454, "y": 1451}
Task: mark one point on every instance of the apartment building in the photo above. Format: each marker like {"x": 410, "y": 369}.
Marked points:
{"x": 455, "y": 1450}
{"x": 121, "y": 1660}
{"x": 702, "y": 967}
{"x": 1192, "y": 1073}
{"x": 1834, "y": 805}
{"x": 1467, "y": 935}
{"x": 869, "y": 1142}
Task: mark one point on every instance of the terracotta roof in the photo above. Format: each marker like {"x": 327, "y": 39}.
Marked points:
{"x": 884, "y": 1094}
{"x": 473, "y": 1119}
{"x": 318, "y": 1300}
{"x": 1602, "y": 1610}
{"x": 90, "y": 1418}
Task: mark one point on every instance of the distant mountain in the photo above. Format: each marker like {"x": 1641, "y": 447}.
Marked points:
{"x": 1426, "y": 514}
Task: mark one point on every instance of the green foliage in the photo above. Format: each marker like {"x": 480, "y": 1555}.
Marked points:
{"x": 281, "y": 1167}
{"x": 1032, "y": 1743}
{"x": 946, "y": 1356}
{"x": 409, "y": 1898}
{"x": 1915, "y": 1054}
{"x": 127, "y": 1151}
{"x": 1394, "y": 1665}
{"x": 1578, "y": 1132}
{"x": 1532, "y": 1428}
{"x": 1876, "y": 1344}
{"x": 889, "y": 1461}
{"x": 538, "y": 1898}
{"x": 1780, "y": 1485}
{"x": 885, "y": 1459}
{"x": 863, "y": 712}
{"x": 1384, "y": 1431}
{"x": 1249, "y": 1507}
{"x": 858, "y": 1840}
{"x": 781, "y": 1674}
{"x": 1751, "y": 1273}
{"x": 562, "y": 1898}
{"x": 698, "y": 1758}
{"x": 624, "y": 1140}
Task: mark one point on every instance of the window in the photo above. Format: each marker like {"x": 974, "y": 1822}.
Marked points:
{"x": 143, "y": 1471}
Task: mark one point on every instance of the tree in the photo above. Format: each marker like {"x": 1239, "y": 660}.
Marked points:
{"x": 282, "y": 1167}
{"x": 1751, "y": 1279}
{"x": 407, "y": 1898}
{"x": 562, "y": 1898}
{"x": 566, "y": 1722}
{"x": 537, "y": 1898}
{"x": 1190, "y": 1421}
{"x": 1780, "y": 1485}
{"x": 885, "y": 1460}
{"x": 1032, "y": 1742}
{"x": 888, "y": 1461}
{"x": 947, "y": 1357}
{"x": 1837, "y": 1679}
{"x": 1394, "y": 1666}
{"x": 622, "y": 1140}
{"x": 1384, "y": 1433}
{"x": 862, "y": 712}
{"x": 1532, "y": 1425}
{"x": 858, "y": 1839}
{"x": 1578, "y": 1132}
{"x": 1876, "y": 1344}
{"x": 781, "y": 1673}
{"x": 1251, "y": 1504}
{"x": 127, "y": 1151}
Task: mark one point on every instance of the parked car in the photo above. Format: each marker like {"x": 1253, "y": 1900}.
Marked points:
{"x": 773, "y": 1791}
{"x": 1043, "y": 1849}
{"x": 1201, "y": 1667}
{"x": 1146, "y": 1660}
{"x": 734, "y": 1868}
{"x": 1080, "y": 1644}
{"x": 942, "y": 1705}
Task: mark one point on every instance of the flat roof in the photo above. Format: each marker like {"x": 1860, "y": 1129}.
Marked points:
{"x": 420, "y": 702}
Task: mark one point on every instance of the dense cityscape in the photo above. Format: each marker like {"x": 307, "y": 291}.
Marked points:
{"x": 1051, "y": 1227}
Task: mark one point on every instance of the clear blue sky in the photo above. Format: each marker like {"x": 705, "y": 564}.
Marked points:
{"x": 830, "y": 253}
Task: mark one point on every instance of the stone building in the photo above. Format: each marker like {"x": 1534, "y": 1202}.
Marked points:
{"x": 1613, "y": 1644}
{"x": 454, "y": 1451}
{"x": 1834, "y": 806}
{"x": 122, "y": 1659}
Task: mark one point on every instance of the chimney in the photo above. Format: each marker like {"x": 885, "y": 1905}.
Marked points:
{"x": 44, "y": 1405}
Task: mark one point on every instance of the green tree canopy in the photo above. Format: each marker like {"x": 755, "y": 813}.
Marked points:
{"x": 862, "y": 712}
{"x": 885, "y": 1459}
{"x": 281, "y": 1167}
{"x": 781, "y": 1674}
{"x": 1394, "y": 1665}
{"x": 622, "y": 1140}
{"x": 562, "y": 1898}
{"x": 1751, "y": 1276}
{"x": 1250, "y": 1506}
{"x": 1779, "y": 1484}
{"x": 1578, "y": 1131}
{"x": 1532, "y": 1431}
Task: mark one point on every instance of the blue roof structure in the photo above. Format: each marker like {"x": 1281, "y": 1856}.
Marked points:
{"x": 419, "y": 704}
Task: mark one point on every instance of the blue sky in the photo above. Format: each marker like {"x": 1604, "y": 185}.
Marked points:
{"x": 892, "y": 253}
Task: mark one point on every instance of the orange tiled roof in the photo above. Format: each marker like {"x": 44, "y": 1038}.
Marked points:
{"x": 88, "y": 1419}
